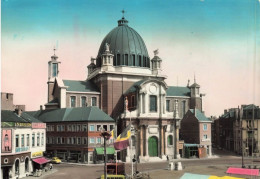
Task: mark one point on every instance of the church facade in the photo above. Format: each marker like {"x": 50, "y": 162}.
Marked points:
{"x": 128, "y": 85}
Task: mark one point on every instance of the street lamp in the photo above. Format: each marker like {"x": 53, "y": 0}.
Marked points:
{"x": 106, "y": 135}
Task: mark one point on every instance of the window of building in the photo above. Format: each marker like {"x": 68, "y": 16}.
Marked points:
{"x": 105, "y": 127}
{"x": 52, "y": 128}
{"x": 205, "y": 127}
{"x": 73, "y": 101}
{"x": 91, "y": 128}
{"x": 133, "y": 60}
{"x": 73, "y": 128}
{"x": 168, "y": 105}
{"x": 42, "y": 139}
{"x": 47, "y": 128}
{"x": 16, "y": 140}
{"x": 84, "y": 128}
{"x": 28, "y": 140}
{"x": 62, "y": 128}
{"x": 53, "y": 140}
{"x": 79, "y": 140}
{"x": 68, "y": 140}
{"x": 38, "y": 139}
{"x": 99, "y": 140}
{"x": 92, "y": 140}
{"x": 83, "y": 101}
{"x": 54, "y": 69}
{"x": 58, "y": 128}
{"x": 98, "y": 127}
{"x": 85, "y": 140}
{"x": 111, "y": 127}
{"x": 33, "y": 139}
{"x": 205, "y": 136}
{"x": 22, "y": 140}
{"x": 47, "y": 140}
{"x": 126, "y": 59}
{"x": 140, "y": 60}
{"x": 170, "y": 140}
{"x": 69, "y": 127}
{"x": 78, "y": 128}
{"x": 58, "y": 140}
{"x": 118, "y": 59}
{"x": 94, "y": 101}
{"x": 153, "y": 103}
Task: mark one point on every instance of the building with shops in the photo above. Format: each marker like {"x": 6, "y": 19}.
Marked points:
{"x": 73, "y": 134}
{"x": 123, "y": 76}
{"x": 238, "y": 129}
{"x": 196, "y": 132}
{"x": 23, "y": 144}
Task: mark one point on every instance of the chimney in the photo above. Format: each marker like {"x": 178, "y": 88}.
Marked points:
{"x": 225, "y": 111}
{"x": 18, "y": 111}
{"x": 40, "y": 107}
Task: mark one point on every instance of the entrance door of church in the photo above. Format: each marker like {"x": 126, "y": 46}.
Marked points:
{"x": 153, "y": 146}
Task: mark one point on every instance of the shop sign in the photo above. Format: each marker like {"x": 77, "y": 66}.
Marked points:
{"x": 18, "y": 124}
{"x": 7, "y": 124}
{"x": 38, "y": 125}
{"x": 6, "y": 141}
{"x": 21, "y": 149}
{"x": 37, "y": 154}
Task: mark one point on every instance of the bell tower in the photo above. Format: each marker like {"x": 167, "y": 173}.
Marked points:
{"x": 53, "y": 71}
{"x": 196, "y": 100}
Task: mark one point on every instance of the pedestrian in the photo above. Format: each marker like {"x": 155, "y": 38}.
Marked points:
{"x": 167, "y": 157}
{"x": 50, "y": 166}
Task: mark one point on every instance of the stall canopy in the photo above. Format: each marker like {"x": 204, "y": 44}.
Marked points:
{"x": 41, "y": 160}
{"x": 100, "y": 150}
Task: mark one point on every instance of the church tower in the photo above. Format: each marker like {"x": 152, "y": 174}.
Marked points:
{"x": 53, "y": 71}
{"x": 196, "y": 100}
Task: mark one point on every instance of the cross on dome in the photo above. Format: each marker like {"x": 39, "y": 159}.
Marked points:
{"x": 123, "y": 12}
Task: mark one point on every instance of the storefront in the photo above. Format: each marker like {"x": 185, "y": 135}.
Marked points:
{"x": 99, "y": 154}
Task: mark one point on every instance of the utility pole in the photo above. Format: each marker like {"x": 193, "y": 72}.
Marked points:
{"x": 106, "y": 135}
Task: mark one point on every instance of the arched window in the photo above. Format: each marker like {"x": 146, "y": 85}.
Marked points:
{"x": 114, "y": 60}
{"x": 27, "y": 164}
{"x": 153, "y": 103}
{"x": 170, "y": 140}
{"x": 17, "y": 170}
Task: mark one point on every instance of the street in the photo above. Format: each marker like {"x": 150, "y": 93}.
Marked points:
{"x": 209, "y": 166}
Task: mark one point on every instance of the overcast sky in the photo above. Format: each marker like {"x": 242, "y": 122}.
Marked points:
{"x": 218, "y": 40}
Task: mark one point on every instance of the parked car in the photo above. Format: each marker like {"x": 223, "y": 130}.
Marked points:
{"x": 55, "y": 160}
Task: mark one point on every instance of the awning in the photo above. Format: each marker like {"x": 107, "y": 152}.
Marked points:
{"x": 41, "y": 160}
{"x": 100, "y": 150}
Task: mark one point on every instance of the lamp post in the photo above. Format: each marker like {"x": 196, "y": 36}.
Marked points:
{"x": 106, "y": 135}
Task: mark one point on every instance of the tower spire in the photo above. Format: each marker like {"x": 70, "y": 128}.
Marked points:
{"x": 123, "y": 12}
{"x": 54, "y": 49}
{"x": 194, "y": 77}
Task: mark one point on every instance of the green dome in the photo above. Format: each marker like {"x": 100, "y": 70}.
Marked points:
{"x": 126, "y": 45}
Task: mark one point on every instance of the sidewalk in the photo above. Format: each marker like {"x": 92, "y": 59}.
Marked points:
{"x": 43, "y": 174}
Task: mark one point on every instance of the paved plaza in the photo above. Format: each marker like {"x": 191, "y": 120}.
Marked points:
{"x": 157, "y": 170}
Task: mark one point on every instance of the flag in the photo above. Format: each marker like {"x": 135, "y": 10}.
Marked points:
{"x": 122, "y": 141}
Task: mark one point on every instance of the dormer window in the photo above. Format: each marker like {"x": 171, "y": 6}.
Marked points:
{"x": 73, "y": 101}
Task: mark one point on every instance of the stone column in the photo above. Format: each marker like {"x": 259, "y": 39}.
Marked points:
{"x": 162, "y": 140}
{"x": 141, "y": 103}
{"x": 141, "y": 141}
{"x": 146, "y": 141}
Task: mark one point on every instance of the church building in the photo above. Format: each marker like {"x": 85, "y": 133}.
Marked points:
{"x": 128, "y": 85}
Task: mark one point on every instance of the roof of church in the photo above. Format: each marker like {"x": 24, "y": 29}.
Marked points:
{"x": 178, "y": 91}
{"x": 91, "y": 114}
{"x": 81, "y": 86}
{"x": 11, "y": 116}
{"x": 200, "y": 116}
{"x": 123, "y": 40}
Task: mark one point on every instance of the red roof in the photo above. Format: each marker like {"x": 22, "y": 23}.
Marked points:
{"x": 41, "y": 160}
{"x": 243, "y": 171}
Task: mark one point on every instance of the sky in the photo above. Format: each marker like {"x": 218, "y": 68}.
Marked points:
{"x": 218, "y": 41}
